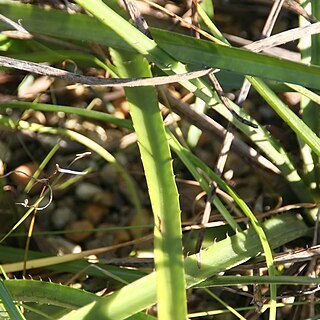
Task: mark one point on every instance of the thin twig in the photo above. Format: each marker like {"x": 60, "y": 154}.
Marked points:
{"x": 94, "y": 81}
{"x": 296, "y": 7}
{"x": 274, "y": 13}
{"x": 137, "y": 18}
{"x": 272, "y": 18}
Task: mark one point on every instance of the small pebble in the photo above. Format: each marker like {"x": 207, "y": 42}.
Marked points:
{"x": 2, "y": 167}
{"x": 122, "y": 235}
{"x": 87, "y": 191}
{"x": 105, "y": 199}
{"x": 94, "y": 212}
{"x": 62, "y": 216}
{"x": 79, "y": 225}
{"x": 23, "y": 174}
{"x": 109, "y": 174}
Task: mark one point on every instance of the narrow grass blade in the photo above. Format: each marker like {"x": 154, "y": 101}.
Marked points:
{"x": 305, "y": 92}
{"x": 78, "y": 27}
{"x": 190, "y": 160}
{"x": 157, "y": 163}
{"x": 22, "y": 219}
{"x": 92, "y": 114}
{"x": 296, "y": 124}
{"x": 48, "y": 292}
{"x": 309, "y": 110}
{"x": 11, "y": 254}
{"x": 7, "y": 300}
{"x": 232, "y": 310}
{"x": 233, "y": 280}
{"x": 220, "y": 256}
{"x": 188, "y": 50}
{"x": 42, "y": 165}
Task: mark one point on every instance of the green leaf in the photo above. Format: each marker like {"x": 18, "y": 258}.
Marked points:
{"x": 295, "y": 123}
{"x": 10, "y": 254}
{"x": 189, "y": 50}
{"x": 77, "y": 27}
{"x": 218, "y": 257}
{"x": 157, "y": 163}
{"x": 91, "y": 114}
{"x": 48, "y": 292}
{"x": 7, "y": 300}
{"x": 233, "y": 280}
